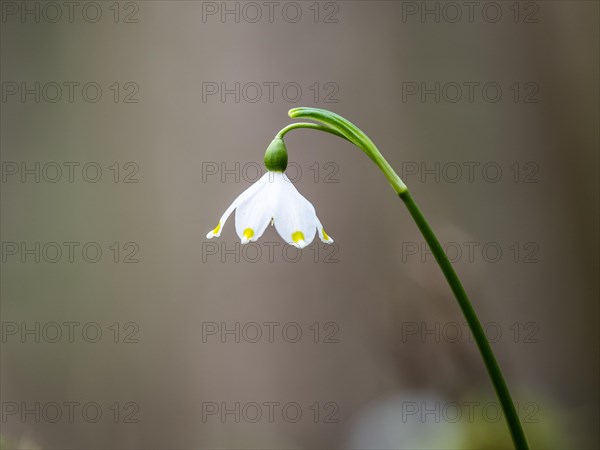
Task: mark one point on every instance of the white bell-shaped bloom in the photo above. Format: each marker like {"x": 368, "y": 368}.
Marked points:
{"x": 274, "y": 199}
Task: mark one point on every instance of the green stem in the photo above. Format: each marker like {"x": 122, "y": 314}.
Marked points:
{"x": 487, "y": 354}
{"x": 346, "y": 129}
{"x": 314, "y": 126}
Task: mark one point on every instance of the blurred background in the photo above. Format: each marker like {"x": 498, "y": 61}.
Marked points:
{"x": 127, "y": 128}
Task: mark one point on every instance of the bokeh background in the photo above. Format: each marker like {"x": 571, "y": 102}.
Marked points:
{"x": 384, "y": 359}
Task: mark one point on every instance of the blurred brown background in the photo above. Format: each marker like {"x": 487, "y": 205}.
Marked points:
{"x": 384, "y": 359}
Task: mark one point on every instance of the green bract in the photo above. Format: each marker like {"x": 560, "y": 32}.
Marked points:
{"x": 276, "y": 157}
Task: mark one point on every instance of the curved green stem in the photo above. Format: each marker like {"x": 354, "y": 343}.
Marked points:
{"x": 352, "y": 133}
{"x": 485, "y": 350}
{"x": 314, "y": 126}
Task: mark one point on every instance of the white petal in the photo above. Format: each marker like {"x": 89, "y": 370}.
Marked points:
{"x": 254, "y": 214}
{"x": 241, "y": 198}
{"x": 295, "y": 217}
{"x": 324, "y": 236}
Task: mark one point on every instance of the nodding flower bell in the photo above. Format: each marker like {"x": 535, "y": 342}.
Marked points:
{"x": 274, "y": 199}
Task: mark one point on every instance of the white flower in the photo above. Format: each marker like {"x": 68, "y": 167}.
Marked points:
{"x": 274, "y": 199}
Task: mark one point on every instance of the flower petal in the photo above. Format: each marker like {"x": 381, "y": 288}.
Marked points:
{"x": 240, "y": 199}
{"x": 254, "y": 214}
{"x": 324, "y": 236}
{"x": 295, "y": 217}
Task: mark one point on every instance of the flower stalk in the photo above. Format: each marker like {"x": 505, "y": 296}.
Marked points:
{"x": 335, "y": 124}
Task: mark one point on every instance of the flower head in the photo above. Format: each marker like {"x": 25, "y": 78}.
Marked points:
{"x": 274, "y": 199}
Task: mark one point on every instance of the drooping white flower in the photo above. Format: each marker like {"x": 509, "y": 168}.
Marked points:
{"x": 274, "y": 199}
